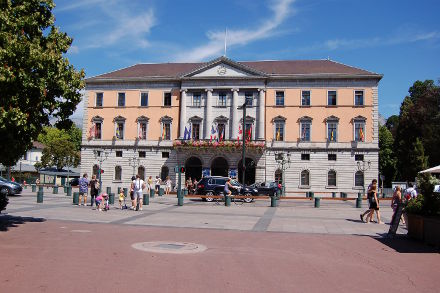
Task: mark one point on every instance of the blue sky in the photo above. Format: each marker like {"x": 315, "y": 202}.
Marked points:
{"x": 400, "y": 39}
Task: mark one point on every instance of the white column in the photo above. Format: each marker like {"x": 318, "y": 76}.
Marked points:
{"x": 208, "y": 113}
{"x": 182, "y": 122}
{"x": 261, "y": 110}
{"x": 234, "y": 120}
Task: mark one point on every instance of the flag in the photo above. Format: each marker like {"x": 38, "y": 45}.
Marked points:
{"x": 222, "y": 134}
{"x": 304, "y": 133}
{"x": 278, "y": 138}
{"x": 140, "y": 131}
{"x": 361, "y": 134}
{"x": 92, "y": 131}
{"x": 187, "y": 133}
{"x": 249, "y": 134}
{"x": 118, "y": 132}
{"x": 240, "y": 131}
{"x": 331, "y": 136}
{"x": 163, "y": 131}
{"x": 213, "y": 132}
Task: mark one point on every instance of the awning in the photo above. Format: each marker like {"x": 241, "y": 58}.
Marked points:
{"x": 433, "y": 170}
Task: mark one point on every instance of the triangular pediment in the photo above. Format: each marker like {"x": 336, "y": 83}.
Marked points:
{"x": 224, "y": 67}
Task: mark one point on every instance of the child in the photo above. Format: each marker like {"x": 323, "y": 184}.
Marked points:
{"x": 99, "y": 200}
{"x": 121, "y": 199}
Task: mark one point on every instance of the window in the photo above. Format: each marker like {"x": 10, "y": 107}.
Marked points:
{"x": 359, "y": 179}
{"x": 165, "y": 154}
{"x": 305, "y": 178}
{"x": 144, "y": 99}
{"x": 305, "y": 98}
{"x": 118, "y": 173}
{"x": 305, "y": 157}
{"x": 195, "y": 131}
{"x": 99, "y": 99}
{"x": 332, "y": 157}
{"x": 305, "y": 130}
{"x": 331, "y": 178}
{"x": 248, "y": 97}
{"x": 142, "y": 154}
{"x": 332, "y": 131}
{"x": 331, "y": 98}
{"x": 197, "y": 100}
{"x": 98, "y": 130}
{"x": 167, "y": 99}
{"x": 143, "y": 130}
{"x": 166, "y": 130}
{"x": 359, "y": 130}
{"x": 248, "y": 131}
{"x": 358, "y": 98}
{"x": 121, "y": 99}
{"x": 279, "y": 98}
{"x": 222, "y": 99}
{"x": 358, "y": 157}
{"x": 279, "y": 130}
{"x": 119, "y": 154}
{"x": 164, "y": 173}
{"x": 119, "y": 130}
{"x": 141, "y": 172}
{"x": 221, "y": 131}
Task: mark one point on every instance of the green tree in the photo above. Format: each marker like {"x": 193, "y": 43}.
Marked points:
{"x": 50, "y": 134}
{"x": 60, "y": 153}
{"x": 387, "y": 159}
{"x": 37, "y": 82}
{"x": 392, "y": 124}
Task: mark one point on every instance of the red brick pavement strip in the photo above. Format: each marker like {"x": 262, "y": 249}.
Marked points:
{"x": 51, "y": 257}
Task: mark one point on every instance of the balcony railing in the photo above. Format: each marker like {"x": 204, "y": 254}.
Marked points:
{"x": 213, "y": 145}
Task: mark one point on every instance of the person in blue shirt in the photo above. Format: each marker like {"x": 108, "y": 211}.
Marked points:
{"x": 83, "y": 189}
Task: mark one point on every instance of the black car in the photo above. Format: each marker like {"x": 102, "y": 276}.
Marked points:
{"x": 266, "y": 188}
{"x": 74, "y": 182}
{"x": 215, "y": 185}
{"x": 8, "y": 187}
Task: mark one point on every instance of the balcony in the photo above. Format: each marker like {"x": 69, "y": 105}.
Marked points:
{"x": 207, "y": 145}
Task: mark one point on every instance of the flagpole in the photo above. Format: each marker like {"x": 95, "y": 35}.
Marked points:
{"x": 243, "y": 154}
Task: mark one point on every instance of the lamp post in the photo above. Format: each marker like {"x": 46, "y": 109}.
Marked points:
{"x": 101, "y": 156}
{"x": 283, "y": 161}
{"x": 243, "y": 153}
{"x": 134, "y": 161}
{"x": 363, "y": 166}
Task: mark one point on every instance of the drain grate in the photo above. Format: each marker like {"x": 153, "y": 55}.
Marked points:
{"x": 169, "y": 247}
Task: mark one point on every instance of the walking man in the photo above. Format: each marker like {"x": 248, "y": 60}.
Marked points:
{"x": 373, "y": 183}
{"x": 83, "y": 189}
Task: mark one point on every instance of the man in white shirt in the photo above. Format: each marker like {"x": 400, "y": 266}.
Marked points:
{"x": 410, "y": 192}
{"x": 138, "y": 186}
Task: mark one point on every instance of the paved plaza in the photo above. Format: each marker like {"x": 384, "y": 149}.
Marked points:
{"x": 55, "y": 246}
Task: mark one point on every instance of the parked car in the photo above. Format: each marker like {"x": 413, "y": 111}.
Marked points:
{"x": 74, "y": 182}
{"x": 8, "y": 187}
{"x": 214, "y": 185}
{"x": 266, "y": 188}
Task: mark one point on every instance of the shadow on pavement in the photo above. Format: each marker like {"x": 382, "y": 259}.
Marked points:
{"x": 8, "y": 221}
{"x": 404, "y": 244}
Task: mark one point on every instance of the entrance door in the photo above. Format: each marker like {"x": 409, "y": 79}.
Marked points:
{"x": 249, "y": 173}
{"x": 193, "y": 168}
{"x": 219, "y": 167}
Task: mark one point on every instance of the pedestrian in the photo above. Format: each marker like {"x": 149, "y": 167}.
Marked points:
{"x": 157, "y": 184}
{"x": 150, "y": 183}
{"x": 83, "y": 189}
{"x": 121, "y": 199}
{"x": 94, "y": 190}
{"x": 194, "y": 185}
{"x": 168, "y": 185}
{"x": 37, "y": 182}
{"x": 13, "y": 179}
{"x": 133, "y": 205}
{"x": 396, "y": 200}
{"x": 410, "y": 192}
{"x": 228, "y": 187}
{"x": 374, "y": 205}
{"x": 189, "y": 185}
{"x": 138, "y": 185}
{"x": 373, "y": 182}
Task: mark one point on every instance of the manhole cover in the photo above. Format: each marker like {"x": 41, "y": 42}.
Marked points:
{"x": 169, "y": 247}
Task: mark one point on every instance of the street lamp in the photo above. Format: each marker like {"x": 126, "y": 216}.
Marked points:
{"x": 243, "y": 154}
{"x": 283, "y": 161}
{"x": 363, "y": 166}
{"x": 134, "y": 161}
{"x": 101, "y": 156}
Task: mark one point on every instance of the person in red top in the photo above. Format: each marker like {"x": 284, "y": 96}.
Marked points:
{"x": 13, "y": 179}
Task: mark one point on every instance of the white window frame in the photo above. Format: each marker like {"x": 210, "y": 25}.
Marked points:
{"x": 310, "y": 98}
{"x": 354, "y": 97}
{"x": 284, "y": 98}
{"x": 139, "y": 129}
{"x": 363, "y": 183}
{"x": 337, "y": 130}
{"x": 362, "y": 121}
{"x": 336, "y": 179}
{"x": 140, "y": 99}
{"x": 96, "y": 122}
{"x": 123, "y": 130}
{"x": 171, "y": 99}
{"x": 170, "y": 122}
{"x": 302, "y": 121}
{"x": 114, "y": 176}
{"x": 125, "y": 99}
{"x": 252, "y": 101}
{"x": 96, "y": 99}
{"x": 226, "y": 99}
{"x": 275, "y": 129}
{"x": 199, "y": 123}
{"x": 199, "y": 94}
{"x": 336, "y": 91}
{"x": 300, "y": 178}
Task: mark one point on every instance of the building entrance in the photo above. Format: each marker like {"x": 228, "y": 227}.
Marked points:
{"x": 193, "y": 168}
{"x": 249, "y": 173}
{"x": 219, "y": 167}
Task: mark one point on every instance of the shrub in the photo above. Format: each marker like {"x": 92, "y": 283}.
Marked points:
{"x": 427, "y": 202}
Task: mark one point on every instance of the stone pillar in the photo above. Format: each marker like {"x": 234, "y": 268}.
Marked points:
{"x": 261, "y": 108}
{"x": 234, "y": 119}
{"x": 182, "y": 122}
{"x": 208, "y": 113}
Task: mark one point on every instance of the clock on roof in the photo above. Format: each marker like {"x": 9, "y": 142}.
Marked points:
{"x": 221, "y": 70}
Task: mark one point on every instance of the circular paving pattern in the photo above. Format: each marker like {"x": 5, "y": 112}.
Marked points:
{"x": 170, "y": 247}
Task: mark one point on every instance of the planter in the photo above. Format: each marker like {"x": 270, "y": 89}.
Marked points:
{"x": 431, "y": 231}
{"x": 415, "y": 226}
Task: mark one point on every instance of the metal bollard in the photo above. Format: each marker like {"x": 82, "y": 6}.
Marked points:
{"x": 75, "y": 197}
{"x": 273, "y": 201}
{"x": 161, "y": 191}
{"x": 359, "y": 201}
{"x": 125, "y": 192}
{"x": 146, "y": 199}
{"x": 69, "y": 191}
{"x": 65, "y": 189}
{"x": 180, "y": 201}
{"x": 39, "y": 197}
{"x": 227, "y": 201}
{"x": 111, "y": 198}
{"x": 152, "y": 192}
{"x": 119, "y": 190}
{"x": 109, "y": 190}
{"x": 41, "y": 188}
{"x": 333, "y": 194}
{"x": 317, "y": 202}
{"x": 55, "y": 190}
{"x": 311, "y": 194}
{"x": 34, "y": 187}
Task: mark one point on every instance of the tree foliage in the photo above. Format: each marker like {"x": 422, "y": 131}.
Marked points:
{"x": 37, "y": 82}
{"x": 60, "y": 153}
{"x": 417, "y": 135}
{"x": 387, "y": 159}
{"x": 50, "y": 134}
{"x": 392, "y": 124}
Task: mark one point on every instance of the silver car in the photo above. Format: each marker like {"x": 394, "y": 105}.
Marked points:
{"x": 9, "y": 188}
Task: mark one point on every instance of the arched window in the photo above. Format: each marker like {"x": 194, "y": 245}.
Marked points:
{"x": 359, "y": 179}
{"x": 95, "y": 170}
{"x": 118, "y": 173}
{"x": 141, "y": 172}
{"x": 331, "y": 178}
{"x": 164, "y": 173}
{"x": 305, "y": 178}
{"x": 279, "y": 177}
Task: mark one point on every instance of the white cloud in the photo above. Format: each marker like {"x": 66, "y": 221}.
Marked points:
{"x": 281, "y": 10}
{"x": 77, "y": 5}
{"x": 73, "y": 50}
